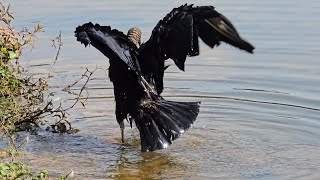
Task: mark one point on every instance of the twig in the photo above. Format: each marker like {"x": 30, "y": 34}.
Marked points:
{"x": 59, "y": 42}
{"x": 83, "y": 87}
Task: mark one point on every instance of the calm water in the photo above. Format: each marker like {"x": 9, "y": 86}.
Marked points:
{"x": 259, "y": 115}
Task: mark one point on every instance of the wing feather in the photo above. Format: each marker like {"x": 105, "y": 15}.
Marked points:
{"x": 176, "y": 35}
{"x": 111, "y": 42}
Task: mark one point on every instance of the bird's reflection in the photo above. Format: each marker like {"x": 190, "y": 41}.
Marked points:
{"x": 133, "y": 164}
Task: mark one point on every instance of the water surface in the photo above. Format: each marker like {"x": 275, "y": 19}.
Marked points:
{"x": 259, "y": 114}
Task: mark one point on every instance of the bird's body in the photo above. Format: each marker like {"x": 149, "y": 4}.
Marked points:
{"x": 137, "y": 71}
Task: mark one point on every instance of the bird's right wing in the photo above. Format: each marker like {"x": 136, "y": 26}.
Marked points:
{"x": 111, "y": 42}
{"x": 176, "y": 37}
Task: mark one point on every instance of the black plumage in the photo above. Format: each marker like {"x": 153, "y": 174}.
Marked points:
{"x": 137, "y": 72}
{"x": 176, "y": 37}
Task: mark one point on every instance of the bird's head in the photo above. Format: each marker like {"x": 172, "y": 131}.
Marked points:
{"x": 134, "y": 35}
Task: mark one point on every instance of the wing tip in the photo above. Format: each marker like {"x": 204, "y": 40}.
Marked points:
{"x": 250, "y": 51}
{"x": 82, "y": 35}
{"x": 247, "y": 46}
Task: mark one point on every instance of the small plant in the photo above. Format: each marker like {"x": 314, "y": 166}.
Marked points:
{"x": 12, "y": 168}
{"x": 18, "y": 170}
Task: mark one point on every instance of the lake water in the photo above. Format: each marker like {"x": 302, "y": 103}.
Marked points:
{"x": 259, "y": 114}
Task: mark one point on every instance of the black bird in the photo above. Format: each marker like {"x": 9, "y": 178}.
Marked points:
{"x": 136, "y": 70}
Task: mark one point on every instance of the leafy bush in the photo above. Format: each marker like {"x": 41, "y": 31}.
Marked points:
{"x": 21, "y": 98}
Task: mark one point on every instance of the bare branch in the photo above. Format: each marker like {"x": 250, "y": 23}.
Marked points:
{"x": 56, "y": 42}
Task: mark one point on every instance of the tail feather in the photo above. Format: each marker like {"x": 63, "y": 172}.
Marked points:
{"x": 160, "y": 122}
{"x": 181, "y": 111}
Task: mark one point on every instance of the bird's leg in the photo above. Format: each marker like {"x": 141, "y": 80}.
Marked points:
{"x": 122, "y": 131}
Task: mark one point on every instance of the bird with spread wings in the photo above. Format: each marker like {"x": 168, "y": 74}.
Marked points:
{"x": 137, "y": 70}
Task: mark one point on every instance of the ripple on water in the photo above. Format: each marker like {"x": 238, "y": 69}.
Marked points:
{"x": 259, "y": 116}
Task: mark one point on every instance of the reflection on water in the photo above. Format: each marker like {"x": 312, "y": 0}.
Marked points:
{"x": 151, "y": 165}
{"x": 259, "y": 116}
{"x": 92, "y": 158}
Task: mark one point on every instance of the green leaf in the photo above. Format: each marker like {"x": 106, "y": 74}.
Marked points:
{"x": 2, "y": 73}
{"x": 3, "y": 50}
{"x": 12, "y": 55}
{"x": 4, "y": 172}
{"x": 5, "y": 167}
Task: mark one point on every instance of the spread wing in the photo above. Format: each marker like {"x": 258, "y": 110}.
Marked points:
{"x": 111, "y": 42}
{"x": 176, "y": 37}
{"x": 124, "y": 70}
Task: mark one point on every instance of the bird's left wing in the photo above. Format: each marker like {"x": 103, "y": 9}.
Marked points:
{"x": 111, "y": 42}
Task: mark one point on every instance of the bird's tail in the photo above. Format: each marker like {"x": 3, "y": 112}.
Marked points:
{"x": 162, "y": 121}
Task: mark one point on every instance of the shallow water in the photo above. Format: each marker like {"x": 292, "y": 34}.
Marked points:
{"x": 259, "y": 114}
